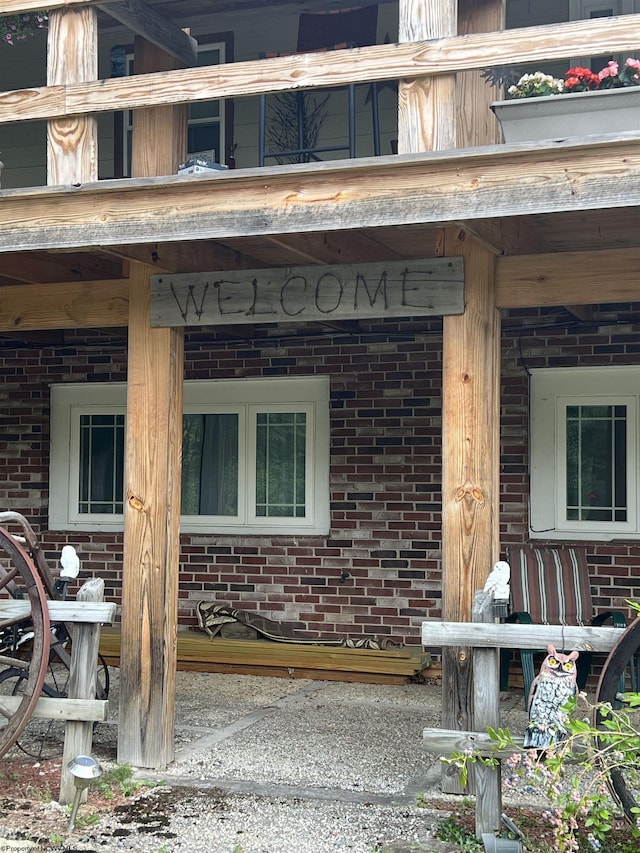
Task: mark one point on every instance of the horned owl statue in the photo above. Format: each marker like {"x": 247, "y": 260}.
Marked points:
{"x": 551, "y": 688}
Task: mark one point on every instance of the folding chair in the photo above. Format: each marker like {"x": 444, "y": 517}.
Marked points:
{"x": 551, "y": 586}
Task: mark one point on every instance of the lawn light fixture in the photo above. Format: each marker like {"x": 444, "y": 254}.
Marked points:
{"x": 493, "y": 844}
{"x": 84, "y": 770}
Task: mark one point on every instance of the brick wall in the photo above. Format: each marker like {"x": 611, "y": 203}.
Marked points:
{"x": 378, "y": 572}
{"x": 553, "y": 338}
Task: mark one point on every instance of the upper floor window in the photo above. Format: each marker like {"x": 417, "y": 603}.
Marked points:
{"x": 210, "y": 122}
{"x": 584, "y": 451}
{"x": 255, "y": 456}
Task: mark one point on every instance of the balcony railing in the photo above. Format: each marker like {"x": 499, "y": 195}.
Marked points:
{"x": 73, "y": 93}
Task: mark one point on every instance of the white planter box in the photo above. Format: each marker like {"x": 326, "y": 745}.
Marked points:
{"x": 577, "y": 114}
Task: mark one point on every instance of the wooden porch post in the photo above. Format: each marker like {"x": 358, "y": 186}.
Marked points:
{"x": 72, "y": 57}
{"x": 153, "y": 475}
{"x": 470, "y": 403}
{"x": 470, "y": 462}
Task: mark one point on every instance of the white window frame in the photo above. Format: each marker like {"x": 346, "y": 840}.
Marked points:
{"x": 309, "y": 394}
{"x": 127, "y": 124}
{"x": 580, "y": 10}
{"x": 552, "y": 391}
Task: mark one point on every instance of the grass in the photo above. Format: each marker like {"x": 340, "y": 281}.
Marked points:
{"x": 120, "y": 779}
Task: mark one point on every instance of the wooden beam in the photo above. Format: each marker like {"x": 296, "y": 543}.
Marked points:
{"x": 152, "y": 469}
{"x": 431, "y": 188}
{"x": 426, "y": 105}
{"x": 42, "y": 267}
{"x": 568, "y": 278}
{"x": 515, "y": 636}
{"x": 470, "y": 461}
{"x": 476, "y": 124}
{"x": 72, "y": 57}
{"x": 186, "y": 257}
{"x": 144, "y": 21}
{"x": 408, "y": 61}
{"x": 63, "y": 611}
{"x": 506, "y": 236}
{"x": 68, "y": 305}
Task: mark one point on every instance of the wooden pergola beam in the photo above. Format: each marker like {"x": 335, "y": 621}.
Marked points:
{"x": 434, "y": 188}
{"x": 144, "y": 21}
{"x": 407, "y": 61}
{"x": 568, "y": 278}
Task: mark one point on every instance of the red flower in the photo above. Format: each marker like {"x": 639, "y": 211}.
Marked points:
{"x": 580, "y": 80}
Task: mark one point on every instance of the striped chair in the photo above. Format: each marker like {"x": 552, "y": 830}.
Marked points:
{"x": 550, "y": 586}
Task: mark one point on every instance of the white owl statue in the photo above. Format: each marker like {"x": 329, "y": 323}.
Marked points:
{"x": 550, "y": 690}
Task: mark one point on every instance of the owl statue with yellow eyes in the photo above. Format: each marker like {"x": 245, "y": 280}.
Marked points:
{"x": 550, "y": 690}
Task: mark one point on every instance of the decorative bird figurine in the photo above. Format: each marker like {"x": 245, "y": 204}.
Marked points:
{"x": 550, "y": 690}
{"x": 70, "y": 563}
{"x": 498, "y": 580}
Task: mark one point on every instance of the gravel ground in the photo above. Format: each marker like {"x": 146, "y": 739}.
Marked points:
{"x": 269, "y": 765}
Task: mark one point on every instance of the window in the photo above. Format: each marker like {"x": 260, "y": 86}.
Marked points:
{"x": 584, "y": 449}
{"x": 210, "y": 122}
{"x": 248, "y": 464}
{"x": 590, "y": 9}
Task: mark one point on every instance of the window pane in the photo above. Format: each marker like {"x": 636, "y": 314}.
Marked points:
{"x": 210, "y": 465}
{"x": 596, "y": 458}
{"x": 281, "y": 464}
{"x": 204, "y": 137}
{"x": 101, "y": 464}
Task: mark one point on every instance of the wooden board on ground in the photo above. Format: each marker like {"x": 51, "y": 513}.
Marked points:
{"x": 197, "y": 652}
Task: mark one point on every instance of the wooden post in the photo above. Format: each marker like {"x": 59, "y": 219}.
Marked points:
{"x": 82, "y": 685}
{"x": 476, "y": 124}
{"x": 426, "y": 106}
{"x": 486, "y": 709}
{"x": 153, "y": 475}
{"x": 72, "y": 57}
{"x": 470, "y": 463}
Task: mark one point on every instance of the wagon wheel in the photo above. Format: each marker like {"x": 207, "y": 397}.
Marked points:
{"x": 622, "y": 663}
{"x": 24, "y": 635}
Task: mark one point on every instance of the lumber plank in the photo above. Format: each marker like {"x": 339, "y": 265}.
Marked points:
{"x": 200, "y": 652}
{"x": 67, "y": 305}
{"x": 72, "y": 57}
{"x": 408, "y": 61}
{"x": 62, "y": 611}
{"x": 411, "y": 288}
{"x": 82, "y": 685}
{"x": 427, "y": 105}
{"x": 49, "y": 708}
{"x": 422, "y": 189}
{"x": 513, "y": 636}
{"x": 144, "y": 21}
{"x": 447, "y": 741}
{"x": 559, "y": 278}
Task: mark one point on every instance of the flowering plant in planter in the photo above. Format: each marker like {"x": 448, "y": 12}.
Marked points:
{"x": 14, "y": 28}
{"x": 578, "y": 79}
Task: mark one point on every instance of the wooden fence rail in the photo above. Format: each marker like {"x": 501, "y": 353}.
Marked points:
{"x": 485, "y": 639}
{"x": 403, "y": 61}
{"x": 79, "y": 709}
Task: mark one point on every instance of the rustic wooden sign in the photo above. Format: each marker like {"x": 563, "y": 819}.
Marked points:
{"x": 414, "y": 288}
